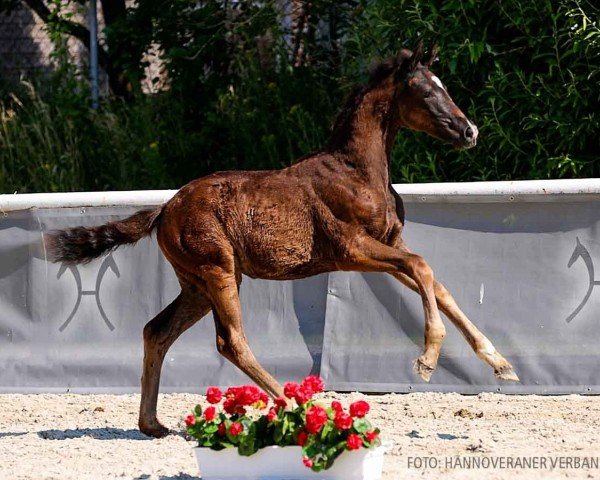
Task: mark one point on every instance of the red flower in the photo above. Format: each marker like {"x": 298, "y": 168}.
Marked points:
{"x": 248, "y": 395}
{"x": 342, "y": 420}
{"x": 371, "y": 436}
{"x": 210, "y": 413}
{"x": 213, "y": 395}
{"x": 263, "y": 400}
{"x": 271, "y": 415}
{"x": 240, "y": 410}
{"x": 316, "y": 417}
{"x": 235, "y": 429}
{"x": 353, "y": 442}
{"x": 313, "y": 383}
{"x": 233, "y": 392}
{"x": 190, "y": 420}
{"x": 359, "y": 409}
{"x": 337, "y": 406}
{"x": 280, "y": 402}
{"x": 290, "y": 389}
{"x": 221, "y": 430}
{"x": 303, "y": 395}
{"x": 229, "y": 406}
{"x": 302, "y": 437}
{"x": 307, "y": 462}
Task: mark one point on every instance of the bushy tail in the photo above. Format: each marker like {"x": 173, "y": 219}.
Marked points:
{"x": 83, "y": 244}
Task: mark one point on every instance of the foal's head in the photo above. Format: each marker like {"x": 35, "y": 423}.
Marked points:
{"x": 424, "y": 103}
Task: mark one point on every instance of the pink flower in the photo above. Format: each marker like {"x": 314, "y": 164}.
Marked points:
{"x": 307, "y": 462}
{"x": 313, "y": 384}
{"x": 302, "y": 437}
{"x": 290, "y": 388}
{"x": 342, "y": 420}
{"x": 359, "y": 409}
{"x": 316, "y": 417}
{"x": 210, "y": 413}
{"x": 213, "y": 395}
{"x": 353, "y": 442}
{"x": 235, "y": 429}
{"x": 190, "y": 420}
{"x": 371, "y": 436}
{"x": 272, "y": 415}
{"x": 280, "y": 402}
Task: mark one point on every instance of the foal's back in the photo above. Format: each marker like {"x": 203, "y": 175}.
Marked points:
{"x": 269, "y": 221}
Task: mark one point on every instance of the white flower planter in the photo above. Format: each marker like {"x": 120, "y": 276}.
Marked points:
{"x": 285, "y": 463}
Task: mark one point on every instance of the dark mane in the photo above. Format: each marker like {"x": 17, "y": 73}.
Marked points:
{"x": 378, "y": 73}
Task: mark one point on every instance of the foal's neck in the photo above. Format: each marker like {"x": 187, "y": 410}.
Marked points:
{"x": 364, "y": 132}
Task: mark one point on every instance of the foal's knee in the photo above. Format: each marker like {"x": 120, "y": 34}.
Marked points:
{"x": 421, "y": 269}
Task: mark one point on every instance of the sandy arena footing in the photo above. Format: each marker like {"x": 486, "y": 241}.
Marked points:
{"x": 434, "y": 435}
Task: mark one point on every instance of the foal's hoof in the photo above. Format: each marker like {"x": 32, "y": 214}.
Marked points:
{"x": 508, "y": 374}
{"x": 424, "y": 371}
{"x": 154, "y": 429}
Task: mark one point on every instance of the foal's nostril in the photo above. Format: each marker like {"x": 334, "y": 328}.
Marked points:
{"x": 469, "y": 133}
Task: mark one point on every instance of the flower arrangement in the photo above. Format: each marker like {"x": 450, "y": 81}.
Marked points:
{"x": 244, "y": 418}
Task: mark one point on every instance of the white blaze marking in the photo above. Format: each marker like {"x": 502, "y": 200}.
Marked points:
{"x": 438, "y": 82}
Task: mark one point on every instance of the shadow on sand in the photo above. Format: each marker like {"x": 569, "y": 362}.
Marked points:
{"x": 95, "y": 433}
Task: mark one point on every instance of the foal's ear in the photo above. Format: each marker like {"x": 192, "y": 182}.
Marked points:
{"x": 416, "y": 57}
{"x": 432, "y": 57}
{"x": 408, "y": 61}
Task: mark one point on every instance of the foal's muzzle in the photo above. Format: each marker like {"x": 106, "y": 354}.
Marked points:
{"x": 469, "y": 135}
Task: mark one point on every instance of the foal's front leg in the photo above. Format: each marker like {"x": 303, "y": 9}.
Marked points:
{"x": 480, "y": 344}
{"x": 369, "y": 255}
{"x": 222, "y": 287}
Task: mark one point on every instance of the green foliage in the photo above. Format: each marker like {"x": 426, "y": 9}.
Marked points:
{"x": 248, "y": 91}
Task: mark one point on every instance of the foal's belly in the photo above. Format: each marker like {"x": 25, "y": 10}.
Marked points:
{"x": 272, "y": 244}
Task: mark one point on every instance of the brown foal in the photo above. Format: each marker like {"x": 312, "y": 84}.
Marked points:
{"x": 333, "y": 210}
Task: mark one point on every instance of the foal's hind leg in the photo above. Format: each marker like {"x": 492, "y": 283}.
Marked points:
{"x": 159, "y": 334}
{"x": 478, "y": 341}
{"x": 222, "y": 288}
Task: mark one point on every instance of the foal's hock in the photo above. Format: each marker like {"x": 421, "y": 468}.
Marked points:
{"x": 332, "y": 210}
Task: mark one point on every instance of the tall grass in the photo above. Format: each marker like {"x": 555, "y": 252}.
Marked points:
{"x": 47, "y": 146}
{"x": 39, "y": 148}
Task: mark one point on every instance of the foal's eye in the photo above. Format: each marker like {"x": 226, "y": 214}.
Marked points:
{"x": 427, "y": 94}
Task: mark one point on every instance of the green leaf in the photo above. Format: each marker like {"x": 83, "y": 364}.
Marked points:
{"x": 211, "y": 428}
{"x": 326, "y": 429}
{"x": 362, "y": 425}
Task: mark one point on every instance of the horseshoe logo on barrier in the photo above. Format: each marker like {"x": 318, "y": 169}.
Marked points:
{"x": 582, "y": 252}
{"x": 109, "y": 262}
